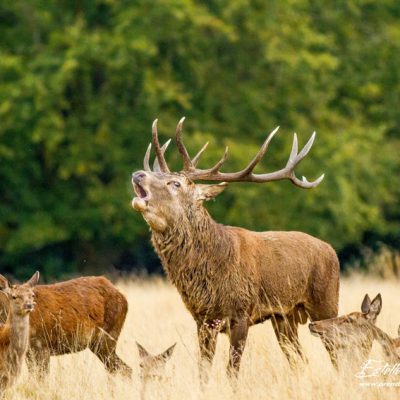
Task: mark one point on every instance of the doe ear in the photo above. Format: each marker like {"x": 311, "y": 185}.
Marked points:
{"x": 143, "y": 353}
{"x": 166, "y": 355}
{"x": 4, "y": 284}
{"x": 208, "y": 192}
{"x": 366, "y": 304}
{"x": 375, "y": 307}
{"x": 34, "y": 280}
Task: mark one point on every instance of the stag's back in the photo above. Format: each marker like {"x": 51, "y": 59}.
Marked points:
{"x": 277, "y": 261}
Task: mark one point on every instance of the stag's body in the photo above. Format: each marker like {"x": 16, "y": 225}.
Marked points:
{"x": 228, "y": 277}
{"x": 225, "y": 272}
{"x": 74, "y": 315}
{"x": 14, "y": 334}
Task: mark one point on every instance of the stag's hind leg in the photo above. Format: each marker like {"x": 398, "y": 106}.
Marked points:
{"x": 104, "y": 347}
{"x": 286, "y": 331}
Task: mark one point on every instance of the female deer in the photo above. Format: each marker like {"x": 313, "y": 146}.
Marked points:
{"x": 14, "y": 334}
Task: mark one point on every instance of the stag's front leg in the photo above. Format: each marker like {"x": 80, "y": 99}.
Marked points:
{"x": 207, "y": 334}
{"x": 238, "y": 335}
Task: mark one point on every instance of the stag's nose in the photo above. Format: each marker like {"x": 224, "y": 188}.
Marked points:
{"x": 138, "y": 176}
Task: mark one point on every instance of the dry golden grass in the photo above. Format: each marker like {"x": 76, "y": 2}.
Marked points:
{"x": 157, "y": 319}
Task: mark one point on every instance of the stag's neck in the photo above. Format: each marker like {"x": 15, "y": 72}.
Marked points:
{"x": 195, "y": 243}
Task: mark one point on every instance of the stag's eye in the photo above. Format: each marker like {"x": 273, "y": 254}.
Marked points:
{"x": 176, "y": 184}
{"x": 14, "y": 296}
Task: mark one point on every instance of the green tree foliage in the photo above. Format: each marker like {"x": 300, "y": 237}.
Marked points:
{"x": 81, "y": 82}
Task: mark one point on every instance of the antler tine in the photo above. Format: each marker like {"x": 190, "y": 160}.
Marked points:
{"x": 146, "y": 160}
{"x": 187, "y": 163}
{"x": 247, "y": 175}
{"x": 304, "y": 183}
{"x": 218, "y": 165}
{"x": 156, "y": 164}
{"x": 307, "y": 147}
{"x": 163, "y": 167}
{"x": 196, "y": 158}
{"x": 249, "y": 169}
{"x": 295, "y": 159}
{"x": 295, "y": 148}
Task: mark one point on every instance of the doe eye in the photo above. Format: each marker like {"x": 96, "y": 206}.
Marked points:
{"x": 14, "y": 297}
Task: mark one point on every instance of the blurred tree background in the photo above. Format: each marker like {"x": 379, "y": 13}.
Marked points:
{"x": 82, "y": 81}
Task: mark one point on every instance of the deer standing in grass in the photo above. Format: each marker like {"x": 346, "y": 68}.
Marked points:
{"x": 14, "y": 334}
{"x": 74, "y": 315}
{"x": 356, "y": 332}
{"x": 152, "y": 367}
{"x": 230, "y": 278}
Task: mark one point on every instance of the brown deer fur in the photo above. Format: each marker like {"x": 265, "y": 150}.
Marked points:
{"x": 74, "y": 315}
{"x": 233, "y": 275}
{"x": 355, "y": 333}
{"x": 14, "y": 334}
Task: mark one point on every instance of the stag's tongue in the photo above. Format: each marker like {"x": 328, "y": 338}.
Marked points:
{"x": 139, "y": 204}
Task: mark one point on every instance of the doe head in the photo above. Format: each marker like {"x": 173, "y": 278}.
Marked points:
{"x": 21, "y": 297}
{"x": 354, "y": 327}
{"x": 152, "y": 367}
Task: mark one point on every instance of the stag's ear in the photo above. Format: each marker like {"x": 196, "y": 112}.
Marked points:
{"x": 143, "y": 353}
{"x": 4, "y": 285}
{"x": 208, "y": 192}
{"x": 366, "y": 304}
{"x": 375, "y": 307}
{"x": 34, "y": 280}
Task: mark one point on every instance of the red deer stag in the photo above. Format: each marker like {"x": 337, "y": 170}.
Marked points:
{"x": 357, "y": 331}
{"x": 230, "y": 278}
{"x": 74, "y": 315}
{"x": 14, "y": 334}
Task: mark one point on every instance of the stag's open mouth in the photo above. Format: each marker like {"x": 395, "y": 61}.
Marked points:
{"x": 140, "y": 191}
{"x": 141, "y": 201}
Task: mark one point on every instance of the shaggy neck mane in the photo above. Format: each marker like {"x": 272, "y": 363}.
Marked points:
{"x": 194, "y": 248}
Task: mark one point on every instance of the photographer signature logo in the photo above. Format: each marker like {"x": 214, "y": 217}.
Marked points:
{"x": 377, "y": 373}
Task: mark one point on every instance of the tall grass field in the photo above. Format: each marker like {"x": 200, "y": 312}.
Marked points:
{"x": 157, "y": 318}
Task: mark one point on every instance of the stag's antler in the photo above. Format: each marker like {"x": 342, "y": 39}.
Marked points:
{"x": 160, "y": 165}
{"x": 245, "y": 175}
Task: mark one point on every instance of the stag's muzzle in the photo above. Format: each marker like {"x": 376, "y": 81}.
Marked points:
{"x": 140, "y": 202}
